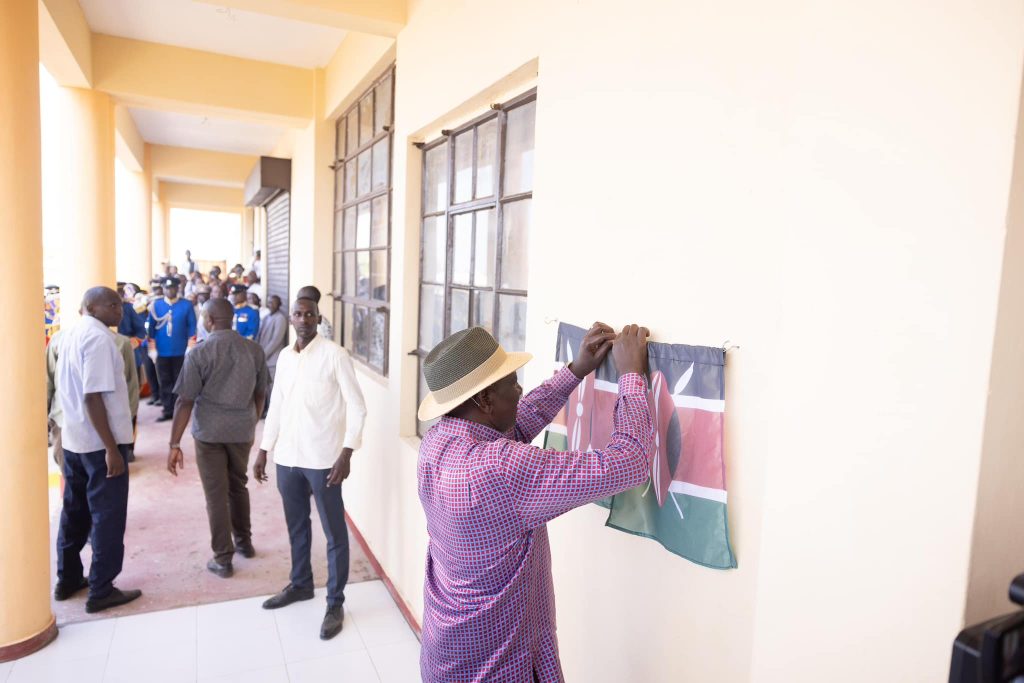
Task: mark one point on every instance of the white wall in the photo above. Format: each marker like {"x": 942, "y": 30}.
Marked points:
{"x": 825, "y": 185}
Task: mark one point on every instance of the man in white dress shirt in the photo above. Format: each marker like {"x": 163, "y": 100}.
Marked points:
{"x": 96, "y": 437}
{"x": 315, "y": 422}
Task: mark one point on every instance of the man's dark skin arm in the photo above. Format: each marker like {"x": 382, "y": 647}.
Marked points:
{"x": 98, "y": 416}
{"x": 342, "y": 468}
{"x": 182, "y": 414}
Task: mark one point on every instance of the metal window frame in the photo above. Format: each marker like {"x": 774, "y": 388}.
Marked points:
{"x": 496, "y": 202}
{"x": 343, "y": 203}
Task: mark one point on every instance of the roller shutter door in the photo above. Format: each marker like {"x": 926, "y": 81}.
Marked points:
{"x": 278, "y": 242}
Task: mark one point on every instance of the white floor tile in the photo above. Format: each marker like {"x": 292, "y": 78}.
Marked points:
{"x": 277, "y": 674}
{"x": 299, "y": 628}
{"x": 170, "y": 630}
{"x": 376, "y": 615}
{"x": 238, "y": 648}
{"x": 350, "y": 667}
{"x": 398, "y": 662}
{"x": 5, "y": 669}
{"x": 49, "y": 669}
{"x": 79, "y": 641}
{"x": 227, "y": 617}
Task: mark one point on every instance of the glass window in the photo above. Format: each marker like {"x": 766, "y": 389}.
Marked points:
{"x": 362, "y": 241}
{"x": 486, "y": 281}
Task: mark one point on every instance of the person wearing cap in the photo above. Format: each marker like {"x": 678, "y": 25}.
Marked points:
{"x": 315, "y": 423}
{"x": 247, "y": 318}
{"x": 172, "y": 322}
{"x": 488, "y": 598}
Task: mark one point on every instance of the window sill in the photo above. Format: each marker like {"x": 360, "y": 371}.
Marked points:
{"x": 369, "y": 372}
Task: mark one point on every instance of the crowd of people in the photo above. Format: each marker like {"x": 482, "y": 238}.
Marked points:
{"x": 486, "y": 492}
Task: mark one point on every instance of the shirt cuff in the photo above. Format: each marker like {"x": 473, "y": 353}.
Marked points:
{"x": 632, "y": 384}
{"x": 564, "y": 381}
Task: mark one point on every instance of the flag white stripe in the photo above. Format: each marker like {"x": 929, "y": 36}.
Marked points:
{"x": 712, "y": 405}
{"x": 697, "y": 491}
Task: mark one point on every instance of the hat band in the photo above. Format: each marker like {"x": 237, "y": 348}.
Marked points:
{"x": 477, "y": 375}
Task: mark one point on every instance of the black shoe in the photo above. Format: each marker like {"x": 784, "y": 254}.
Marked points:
{"x": 245, "y": 549}
{"x": 64, "y": 590}
{"x": 165, "y": 418}
{"x": 224, "y": 571}
{"x": 333, "y": 621}
{"x": 114, "y": 599}
{"x": 286, "y": 597}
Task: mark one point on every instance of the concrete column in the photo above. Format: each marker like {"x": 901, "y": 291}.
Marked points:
{"x": 26, "y": 622}
{"x": 93, "y": 259}
{"x": 156, "y": 235}
{"x": 134, "y": 229}
{"x": 248, "y": 235}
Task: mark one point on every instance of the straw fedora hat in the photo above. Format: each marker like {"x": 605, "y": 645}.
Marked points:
{"x": 462, "y": 365}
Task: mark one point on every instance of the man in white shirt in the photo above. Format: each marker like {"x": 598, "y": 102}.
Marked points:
{"x": 96, "y": 437}
{"x": 315, "y": 422}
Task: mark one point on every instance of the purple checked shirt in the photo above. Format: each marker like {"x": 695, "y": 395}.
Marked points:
{"x": 489, "y": 604}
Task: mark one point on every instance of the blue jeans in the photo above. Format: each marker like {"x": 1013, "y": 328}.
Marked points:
{"x": 96, "y": 510}
{"x": 297, "y": 485}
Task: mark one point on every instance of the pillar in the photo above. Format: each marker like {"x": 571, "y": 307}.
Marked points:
{"x": 90, "y": 196}
{"x": 133, "y": 222}
{"x": 26, "y": 621}
{"x": 248, "y": 236}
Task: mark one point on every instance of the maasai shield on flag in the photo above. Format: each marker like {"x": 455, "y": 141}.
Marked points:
{"x": 683, "y": 505}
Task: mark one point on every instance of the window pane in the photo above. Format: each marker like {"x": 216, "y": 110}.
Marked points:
{"x": 348, "y": 326}
{"x": 336, "y": 286}
{"x": 514, "y": 244}
{"x": 486, "y": 158}
{"x": 350, "y": 180}
{"x": 366, "y": 119}
{"x": 379, "y": 274}
{"x": 512, "y": 322}
{"x": 364, "y": 173}
{"x": 380, "y": 164}
{"x": 353, "y": 132}
{"x": 435, "y": 238}
{"x": 382, "y": 115}
{"x": 486, "y": 242}
{"x": 519, "y": 149}
{"x": 462, "y": 248}
{"x": 362, "y": 274}
{"x": 431, "y": 316}
{"x": 464, "y": 166}
{"x": 350, "y": 274}
{"x": 339, "y": 186}
{"x": 460, "y": 310}
{"x": 483, "y": 310}
{"x": 339, "y": 231}
{"x": 350, "y": 227}
{"x": 378, "y": 324}
{"x": 360, "y": 331}
{"x": 435, "y": 179}
{"x": 379, "y": 223}
{"x": 363, "y": 226}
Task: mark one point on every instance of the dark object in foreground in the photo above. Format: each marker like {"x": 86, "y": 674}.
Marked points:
{"x": 115, "y": 598}
{"x": 63, "y": 590}
{"x": 287, "y": 596}
{"x": 334, "y": 619}
{"x": 992, "y": 651}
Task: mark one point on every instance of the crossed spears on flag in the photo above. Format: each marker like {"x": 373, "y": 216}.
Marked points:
{"x": 658, "y": 468}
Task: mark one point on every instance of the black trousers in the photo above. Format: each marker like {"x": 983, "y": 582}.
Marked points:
{"x": 168, "y": 368}
{"x": 96, "y": 509}
{"x": 297, "y": 485}
{"x": 151, "y": 375}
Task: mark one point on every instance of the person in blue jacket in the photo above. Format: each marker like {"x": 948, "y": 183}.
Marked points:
{"x": 132, "y": 325}
{"x": 172, "y": 322}
{"x": 247, "y": 318}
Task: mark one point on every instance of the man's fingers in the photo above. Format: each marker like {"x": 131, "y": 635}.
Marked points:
{"x": 644, "y": 332}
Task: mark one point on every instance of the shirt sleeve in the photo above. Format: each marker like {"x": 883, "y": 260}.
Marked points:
{"x": 544, "y": 483}
{"x": 272, "y": 425}
{"x": 190, "y": 380}
{"x": 355, "y": 406}
{"x": 151, "y": 323}
{"x": 262, "y": 373}
{"x": 131, "y": 374}
{"x": 190, "y": 321}
{"x": 539, "y": 407}
{"x": 51, "y": 373}
{"x": 98, "y": 365}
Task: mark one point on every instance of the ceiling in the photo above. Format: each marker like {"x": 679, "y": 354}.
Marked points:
{"x": 202, "y": 132}
{"x": 202, "y": 26}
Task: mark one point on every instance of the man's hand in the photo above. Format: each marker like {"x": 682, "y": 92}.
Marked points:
{"x": 341, "y": 469}
{"x": 115, "y": 463}
{"x": 175, "y": 459}
{"x": 594, "y": 349}
{"x": 629, "y": 350}
{"x": 259, "y": 468}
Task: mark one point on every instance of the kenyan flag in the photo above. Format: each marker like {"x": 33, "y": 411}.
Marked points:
{"x": 683, "y": 505}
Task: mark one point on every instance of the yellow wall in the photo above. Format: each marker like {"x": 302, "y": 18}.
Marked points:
{"x": 203, "y": 166}
{"x": 132, "y": 220}
{"x": 210, "y": 197}
{"x": 65, "y": 42}
{"x": 762, "y": 175}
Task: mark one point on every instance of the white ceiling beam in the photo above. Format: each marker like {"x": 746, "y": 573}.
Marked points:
{"x": 376, "y": 17}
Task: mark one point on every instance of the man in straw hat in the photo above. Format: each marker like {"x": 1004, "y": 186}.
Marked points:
{"x": 488, "y": 494}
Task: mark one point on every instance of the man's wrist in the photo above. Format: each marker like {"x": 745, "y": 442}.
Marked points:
{"x": 175, "y": 445}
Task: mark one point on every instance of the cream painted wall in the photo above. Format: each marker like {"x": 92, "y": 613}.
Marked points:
{"x": 998, "y": 545}
{"x": 182, "y": 164}
{"x": 785, "y": 176}
{"x": 132, "y": 217}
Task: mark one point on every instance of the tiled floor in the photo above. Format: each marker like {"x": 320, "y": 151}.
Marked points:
{"x": 232, "y": 642}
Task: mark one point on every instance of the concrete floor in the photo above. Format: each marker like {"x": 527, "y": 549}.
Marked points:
{"x": 167, "y": 542}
